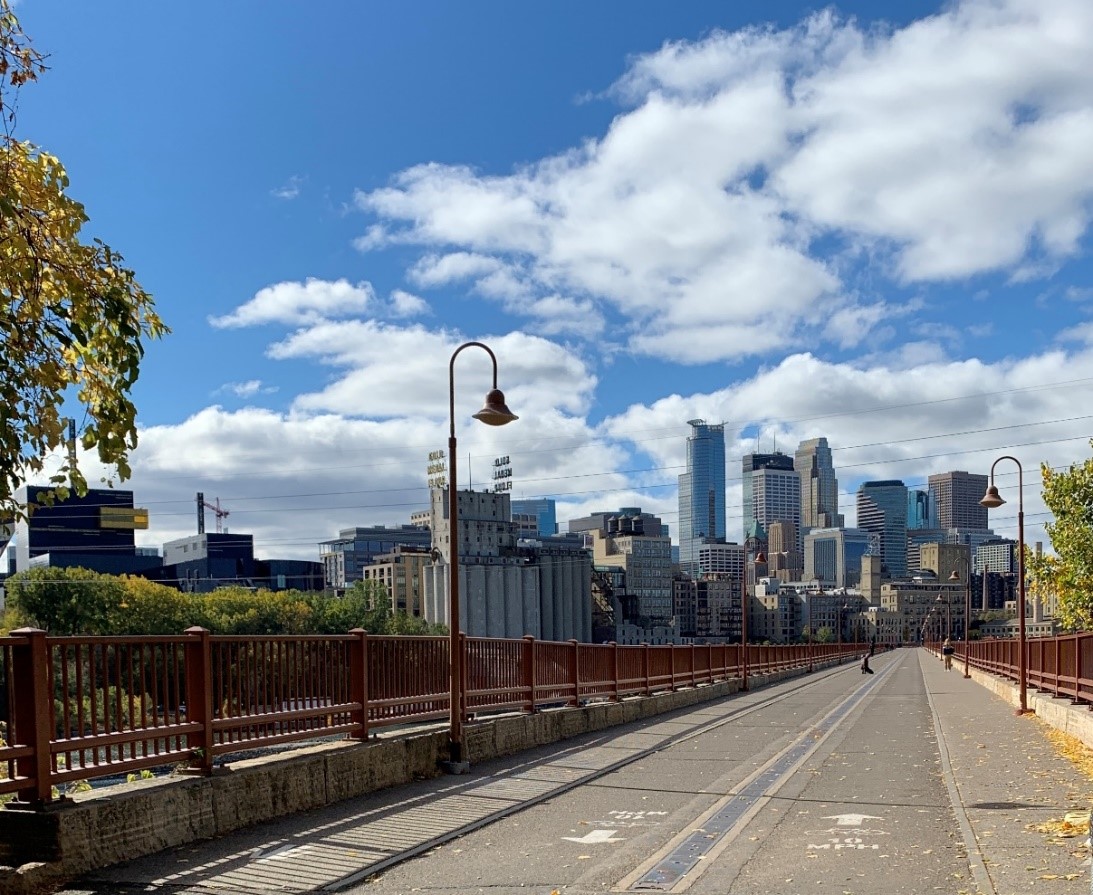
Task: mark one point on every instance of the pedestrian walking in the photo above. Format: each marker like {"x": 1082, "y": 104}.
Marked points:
{"x": 865, "y": 669}
{"x": 947, "y": 654}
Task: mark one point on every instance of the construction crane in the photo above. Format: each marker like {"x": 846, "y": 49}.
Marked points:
{"x": 202, "y": 505}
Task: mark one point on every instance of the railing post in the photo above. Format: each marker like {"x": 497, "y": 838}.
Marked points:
{"x": 1077, "y": 674}
{"x": 199, "y": 698}
{"x": 465, "y": 676}
{"x": 575, "y": 672}
{"x": 358, "y": 681}
{"x": 615, "y": 663}
{"x": 529, "y": 671}
{"x": 694, "y": 682}
{"x": 645, "y": 667}
{"x": 32, "y": 713}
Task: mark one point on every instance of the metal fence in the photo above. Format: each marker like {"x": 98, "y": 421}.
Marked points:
{"x": 1061, "y": 666}
{"x": 80, "y": 708}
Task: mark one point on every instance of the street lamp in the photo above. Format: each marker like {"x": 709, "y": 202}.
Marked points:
{"x": 494, "y": 413}
{"x": 948, "y": 615}
{"x": 991, "y": 500}
{"x": 955, "y": 579}
{"x": 759, "y": 557}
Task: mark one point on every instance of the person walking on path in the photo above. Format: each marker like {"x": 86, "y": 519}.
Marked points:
{"x": 947, "y": 653}
{"x": 865, "y": 669}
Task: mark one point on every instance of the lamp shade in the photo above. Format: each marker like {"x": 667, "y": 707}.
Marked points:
{"x": 992, "y": 499}
{"x": 495, "y": 413}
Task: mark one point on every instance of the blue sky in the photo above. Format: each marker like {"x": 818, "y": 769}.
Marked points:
{"x": 797, "y": 220}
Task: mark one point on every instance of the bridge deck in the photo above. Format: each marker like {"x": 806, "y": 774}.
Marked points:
{"x": 910, "y": 780}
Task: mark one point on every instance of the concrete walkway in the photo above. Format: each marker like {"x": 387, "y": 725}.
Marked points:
{"x": 1006, "y": 779}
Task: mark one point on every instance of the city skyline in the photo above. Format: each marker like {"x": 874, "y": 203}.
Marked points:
{"x": 866, "y": 223}
{"x": 953, "y": 499}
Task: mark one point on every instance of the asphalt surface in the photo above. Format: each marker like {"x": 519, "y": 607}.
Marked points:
{"x": 911, "y": 780}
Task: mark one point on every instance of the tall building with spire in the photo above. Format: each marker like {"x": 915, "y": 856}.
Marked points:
{"x": 819, "y": 487}
{"x": 701, "y": 493}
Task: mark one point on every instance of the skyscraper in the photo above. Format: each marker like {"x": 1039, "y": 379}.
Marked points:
{"x": 955, "y": 497}
{"x": 776, "y": 497}
{"x": 769, "y": 493}
{"x": 882, "y": 511}
{"x": 833, "y": 556}
{"x": 543, "y": 509}
{"x": 920, "y": 510}
{"x": 701, "y": 492}
{"x": 819, "y": 487}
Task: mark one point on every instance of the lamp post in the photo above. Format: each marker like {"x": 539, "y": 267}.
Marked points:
{"x": 812, "y": 619}
{"x": 991, "y": 500}
{"x": 759, "y": 557}
{"x": 494, "y": 413}
{"x": 948, "y": 615}
{"x": 955, "y": 579}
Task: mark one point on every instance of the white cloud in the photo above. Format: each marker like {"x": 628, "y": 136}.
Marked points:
{"x": 755, "y": 171}
{"x": 290, "y": 189}
{"x": 1083, "y": 332}
{"x": 247, "y": 389}
{"x": 388, "y": 371}
{"x": 405, "y": 304}
{"x": 375, "y": 237}
{"x": 958, "y": 138}
{"x": 556, "y": 315}
{"x": 300, "y": 303}
{"x": 438, "y": 270}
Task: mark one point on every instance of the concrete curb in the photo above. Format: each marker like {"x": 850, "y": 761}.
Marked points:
{"x": 1060, "y": 713}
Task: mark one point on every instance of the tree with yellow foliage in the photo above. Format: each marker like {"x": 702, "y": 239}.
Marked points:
{"x": 73, "y": 319}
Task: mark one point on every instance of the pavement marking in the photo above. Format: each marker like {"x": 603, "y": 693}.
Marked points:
{"x": 633, "y": 818}
{"x": 837, "y": 844}
{"x": 712, "y": 832}
{"x": 278, "y": 854}
{"x": 848, "y": 832}
{"x": 594, "y": 837}
{"x": 850, "y": 820}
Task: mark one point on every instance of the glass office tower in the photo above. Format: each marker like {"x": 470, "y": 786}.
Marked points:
{"x": 701, "y": 493}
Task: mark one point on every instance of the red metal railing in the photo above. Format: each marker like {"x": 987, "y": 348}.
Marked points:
{"x": 79, "y": 708}
{"x": 1061, "y": 666}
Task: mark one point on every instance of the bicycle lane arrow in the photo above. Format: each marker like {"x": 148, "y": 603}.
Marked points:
{"x": 594, "y": 837}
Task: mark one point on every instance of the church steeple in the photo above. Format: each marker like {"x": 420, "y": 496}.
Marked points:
{"x": 753, "y": 531}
